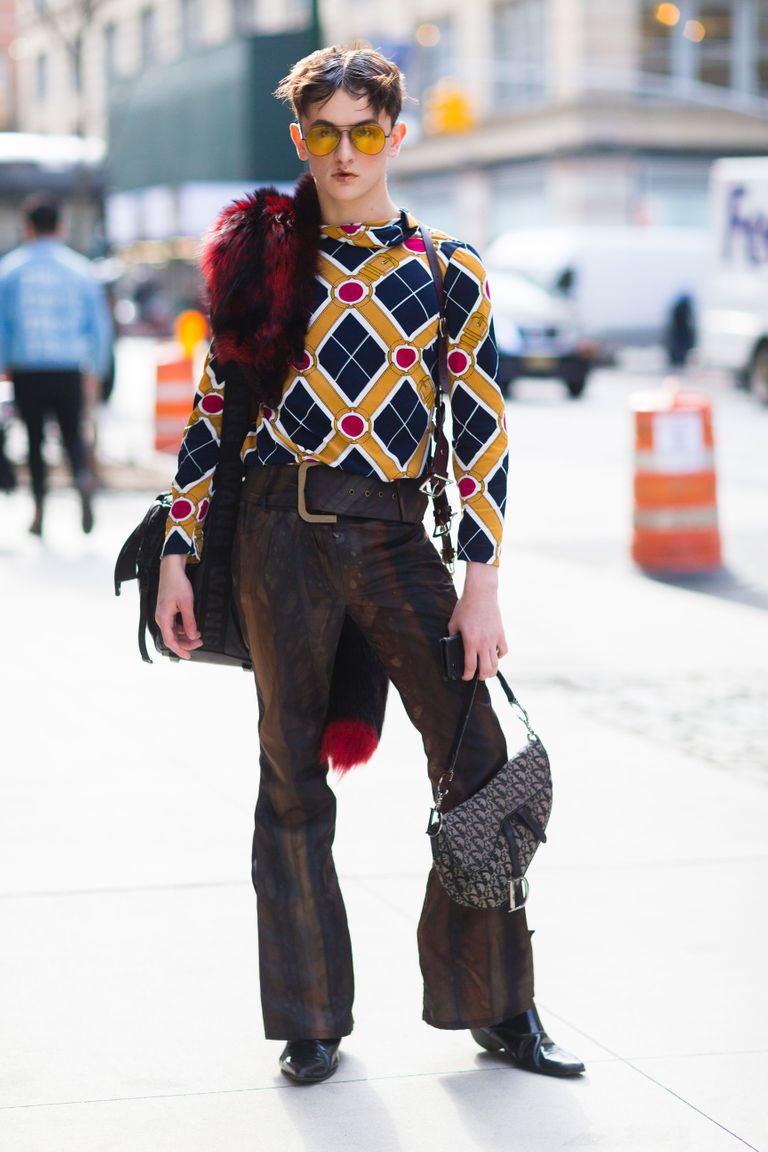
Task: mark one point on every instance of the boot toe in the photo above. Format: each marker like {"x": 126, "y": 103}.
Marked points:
{"x": 528, "y": 1046}
{"x": 309, "y": 1061}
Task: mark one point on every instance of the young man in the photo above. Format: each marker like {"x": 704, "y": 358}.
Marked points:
{"x": 330, "y": 531}
{"x": 55, "y": 343}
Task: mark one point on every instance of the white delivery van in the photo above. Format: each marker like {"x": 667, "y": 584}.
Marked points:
{"x": 734, "y": 322}
{"x": 623, "y": 281}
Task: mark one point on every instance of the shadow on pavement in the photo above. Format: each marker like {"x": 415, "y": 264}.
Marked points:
{"x": 725, "y": 583}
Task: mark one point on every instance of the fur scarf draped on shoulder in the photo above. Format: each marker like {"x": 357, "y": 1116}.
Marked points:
{"x": 258, "y": 262}
{"x": 255, "y": 262}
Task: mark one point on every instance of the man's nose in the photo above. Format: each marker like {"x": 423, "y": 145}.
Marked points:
{"x": 345, "y": 148}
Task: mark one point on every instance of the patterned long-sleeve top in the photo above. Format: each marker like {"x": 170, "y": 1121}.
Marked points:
{"x": 362, "y": 397}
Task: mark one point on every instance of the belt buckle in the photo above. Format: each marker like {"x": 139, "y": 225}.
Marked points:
{"x": 301, "y": 498}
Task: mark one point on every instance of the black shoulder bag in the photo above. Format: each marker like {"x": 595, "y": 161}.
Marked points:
{"x": 216, "y": 611}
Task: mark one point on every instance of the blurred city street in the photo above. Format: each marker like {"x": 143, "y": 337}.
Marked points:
{"x": 129, "y": 1002}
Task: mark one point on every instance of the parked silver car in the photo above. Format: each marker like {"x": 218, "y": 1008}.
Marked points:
{"x": 537, "y": 334}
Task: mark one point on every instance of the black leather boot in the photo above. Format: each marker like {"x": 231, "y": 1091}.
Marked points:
{"x": 309, "y": 1061}
{"x": 524, "y": 1039}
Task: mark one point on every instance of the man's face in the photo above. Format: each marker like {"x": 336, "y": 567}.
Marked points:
{"x": 347, "y": 175}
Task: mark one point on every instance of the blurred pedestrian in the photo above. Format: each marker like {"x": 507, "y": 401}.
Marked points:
{"x": 55, "y": 341}
{"x": 681, "y": 331}
{"x": 338, "y": 342}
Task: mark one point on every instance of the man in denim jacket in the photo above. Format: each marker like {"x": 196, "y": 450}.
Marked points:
{"x": 55, "y": 339}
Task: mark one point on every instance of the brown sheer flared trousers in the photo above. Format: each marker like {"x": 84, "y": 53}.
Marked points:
{"x": 295, "y": 582}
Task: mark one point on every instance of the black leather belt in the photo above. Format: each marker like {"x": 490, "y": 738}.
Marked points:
{"x": 321, "y": 494}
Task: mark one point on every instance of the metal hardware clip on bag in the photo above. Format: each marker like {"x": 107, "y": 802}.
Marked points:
{"x": 483, "y": 846}
{"x": 211, "y": 579}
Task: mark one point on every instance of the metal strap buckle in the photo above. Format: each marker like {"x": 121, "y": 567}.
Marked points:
{"x": 434, "y": 485}
{"x": 518, "y": 898}
{"x": 301, "y": 498}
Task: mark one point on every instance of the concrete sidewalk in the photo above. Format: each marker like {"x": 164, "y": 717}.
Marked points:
{"x": 129, "y": 1008}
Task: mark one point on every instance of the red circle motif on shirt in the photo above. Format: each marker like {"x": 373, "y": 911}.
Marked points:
{"x": 212, "y": 404}
{"x": 405, "y": 358}
{"x": 487, "y": 289}
{"x": 458, "y": 361}
{"x": 304, "y": 364}
{"x": 467, "y": 487}
{"x": 351, "y": 291}
{"x": 415, "y": 244}
{"x": 181, "y": 509}
{"x": 350, "y": 229}
{"x": 352, "y": 425}
{"x": 202, "y": 511}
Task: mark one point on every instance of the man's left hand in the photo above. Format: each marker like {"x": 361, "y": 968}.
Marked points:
{"x": 478, "y": 619}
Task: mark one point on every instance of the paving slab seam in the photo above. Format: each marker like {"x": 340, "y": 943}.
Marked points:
{"x": 652, "y": 1079}
{"x": 337, "y": 1082}
{"x": 127, "y": 890}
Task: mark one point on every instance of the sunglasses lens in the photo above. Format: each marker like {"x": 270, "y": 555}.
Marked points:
{"x": 368, "y": 138}
{"x": 322, "y": 139}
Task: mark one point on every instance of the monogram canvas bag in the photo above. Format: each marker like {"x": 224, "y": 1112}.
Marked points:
{"x": 482, "y": 847}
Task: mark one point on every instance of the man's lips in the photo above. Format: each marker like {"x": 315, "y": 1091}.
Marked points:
{"x": 342, "y": 175}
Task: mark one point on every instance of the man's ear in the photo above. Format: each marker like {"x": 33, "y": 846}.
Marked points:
{"x": 298, "y": 142}
{"x": 396, "y": 138}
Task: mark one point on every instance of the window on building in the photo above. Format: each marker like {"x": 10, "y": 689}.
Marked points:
{"x": 147, "y": 36}
{"x": 433, "y": 57}
{"x": 714, "y": 52}
{"x": 519, "y": 51}
{"x": 657, "y": 40}
{"x": 723, "y": 43}
{"x": 41, "y": 76}
{"x": 760, "y": 44}
{"x": 191, "y": 16}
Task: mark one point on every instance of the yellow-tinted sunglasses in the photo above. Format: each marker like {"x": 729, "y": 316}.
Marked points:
{"x": 368, "y": 138}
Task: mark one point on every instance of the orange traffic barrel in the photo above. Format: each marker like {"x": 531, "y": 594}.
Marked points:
{"x": 675, "y": 511}
{"x": 174, "y": 396}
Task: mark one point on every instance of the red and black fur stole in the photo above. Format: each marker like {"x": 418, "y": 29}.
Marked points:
{"x": 257, "y": 262}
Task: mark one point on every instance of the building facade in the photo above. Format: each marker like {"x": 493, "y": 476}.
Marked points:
{"x": 525, "y": 112}
{"x": 568, "y": 111}
{"x": 70, "y": 54}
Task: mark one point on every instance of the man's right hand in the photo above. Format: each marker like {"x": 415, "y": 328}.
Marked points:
{"x": 174, "y": 598}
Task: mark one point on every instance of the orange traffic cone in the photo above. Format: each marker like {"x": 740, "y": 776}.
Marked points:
{"x": 174, "y": 396}
{"x": 675, "y": 513}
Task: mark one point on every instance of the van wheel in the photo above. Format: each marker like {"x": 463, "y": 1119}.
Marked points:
{"x": 576, "y": 385}
{"x": 758, "y": 373}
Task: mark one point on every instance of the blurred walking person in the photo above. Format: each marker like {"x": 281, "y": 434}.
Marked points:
{"x": 55, "y": 340}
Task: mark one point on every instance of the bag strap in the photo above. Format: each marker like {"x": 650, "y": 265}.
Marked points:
{"x": 444, "y": 783}
{"x": 437, "y": 462}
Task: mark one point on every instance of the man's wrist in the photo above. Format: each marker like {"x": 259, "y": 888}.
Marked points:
{"x": 479, "y": 575}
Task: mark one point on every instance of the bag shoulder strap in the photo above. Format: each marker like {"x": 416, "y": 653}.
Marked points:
{"x": 437, "y": 464}
{"x": 444, "y": 783}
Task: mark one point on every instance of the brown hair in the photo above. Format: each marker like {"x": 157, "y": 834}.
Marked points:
{"x": 359, "y": 69}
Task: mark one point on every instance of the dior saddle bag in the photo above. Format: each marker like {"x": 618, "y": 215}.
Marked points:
{"x": 482, "y": 847}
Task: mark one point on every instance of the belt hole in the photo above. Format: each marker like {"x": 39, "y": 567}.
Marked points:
{"x": 367, "y": 492}
{"x": 380, "y": 494}
{"x": 351, "y": 491}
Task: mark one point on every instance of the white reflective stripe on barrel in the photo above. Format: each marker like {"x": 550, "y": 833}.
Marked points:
{"x": 666, "y": 519}
{"x": 650, "y": 462}
{"x": 175, "y": 390}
